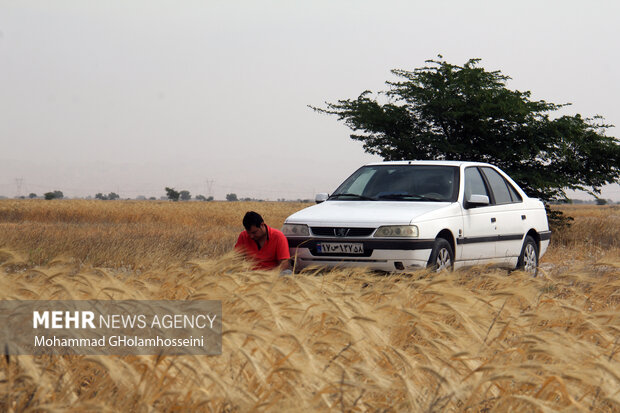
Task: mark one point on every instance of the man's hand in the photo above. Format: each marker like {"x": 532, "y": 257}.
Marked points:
{"x": 284, "y": 265}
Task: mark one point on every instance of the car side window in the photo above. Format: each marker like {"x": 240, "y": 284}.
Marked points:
{"x": 474, "y": 184}
{"x": 498, "y": 185}
{"x": 513, "y": 193}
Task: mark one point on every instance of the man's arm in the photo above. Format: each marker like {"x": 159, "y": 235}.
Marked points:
{"x": 239, "y": 244}
{"x": 284, "y": 264}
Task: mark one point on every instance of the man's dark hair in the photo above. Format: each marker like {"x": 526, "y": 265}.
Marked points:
{"x": 252, "y": 218}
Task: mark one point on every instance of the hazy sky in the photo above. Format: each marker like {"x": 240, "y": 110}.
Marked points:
{"x": 132, "y": 96}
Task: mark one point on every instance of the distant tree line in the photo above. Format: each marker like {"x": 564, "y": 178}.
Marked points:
{"x": 597, "y": 201}
{"x": 173, "y": 195}
{"x": 111, "y": 196}
{"x": 184, "y": 195}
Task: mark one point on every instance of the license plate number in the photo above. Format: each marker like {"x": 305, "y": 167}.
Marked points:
{"x": 340, "y": 248}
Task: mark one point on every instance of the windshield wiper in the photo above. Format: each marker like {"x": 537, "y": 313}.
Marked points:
{"x": 356, "y": 196}
{"x": 429, "y": 198}
{"x": 409, "y": 196}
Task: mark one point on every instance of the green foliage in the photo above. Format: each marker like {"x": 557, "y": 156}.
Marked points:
{"x": 185, "y": 195}
{"x": 110, "y": 196}
{"x": 32, "y": 195}
{"x": 53, "y": 195}
{"x": 445, "y": 111}
{"x": 172, "y": 194}
{"x": 558, "y": 221}
{"x": 231, "y": 197}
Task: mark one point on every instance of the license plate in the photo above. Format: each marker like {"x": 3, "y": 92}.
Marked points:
{"x": 340, "y": 248}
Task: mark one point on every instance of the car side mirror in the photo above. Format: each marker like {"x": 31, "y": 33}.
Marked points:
{"x": 474, "y": 201}
{"x": 321, "y": 197}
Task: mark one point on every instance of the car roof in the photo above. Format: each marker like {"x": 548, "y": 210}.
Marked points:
{"x": 444, "y": 163}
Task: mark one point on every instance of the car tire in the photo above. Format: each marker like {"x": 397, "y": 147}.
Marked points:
{"x": 442, "y": 256}
{"x": 528, "y": 260}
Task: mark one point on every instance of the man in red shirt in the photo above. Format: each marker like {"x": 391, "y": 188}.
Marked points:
{"x": 267, "y": 247}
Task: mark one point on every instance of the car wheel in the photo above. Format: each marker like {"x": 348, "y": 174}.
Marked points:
{"x": 442, "y": 256}
{"x": 528, "y": 260}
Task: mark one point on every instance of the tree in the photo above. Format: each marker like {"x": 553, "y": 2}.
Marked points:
{"x": 32, "y": 195}
{"x": 231, "y": 197}
{"x": 185, "y": 195}
{"x": 445, "y": 111}
{"x": 111, "y": 196}
{"x": 172, "y": 194}
{"x": 53, "y": 195}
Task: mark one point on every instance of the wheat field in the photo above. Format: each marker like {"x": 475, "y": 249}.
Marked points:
{"x": 474, "y": 340}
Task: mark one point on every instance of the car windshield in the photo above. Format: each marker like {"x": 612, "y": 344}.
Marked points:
{"x": 431, "y": 183}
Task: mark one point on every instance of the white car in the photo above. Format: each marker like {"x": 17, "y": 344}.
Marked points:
{"x": 406, "y": 215}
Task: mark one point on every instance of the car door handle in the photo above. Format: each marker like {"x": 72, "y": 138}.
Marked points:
{"x": 493, "y": 220}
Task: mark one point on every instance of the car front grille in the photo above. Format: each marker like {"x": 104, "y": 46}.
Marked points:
{"x": 341, "y": 232}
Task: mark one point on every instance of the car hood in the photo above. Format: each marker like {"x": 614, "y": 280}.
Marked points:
{"x": 364, "y": 213}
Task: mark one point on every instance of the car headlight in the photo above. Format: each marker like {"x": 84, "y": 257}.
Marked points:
{"x": 295, "y": 230}
{"x": 397, "y": 231}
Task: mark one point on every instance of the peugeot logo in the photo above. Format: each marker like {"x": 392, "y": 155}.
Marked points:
{"x": 341, "y": 232}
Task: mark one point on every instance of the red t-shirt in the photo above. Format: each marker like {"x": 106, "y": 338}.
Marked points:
{"x": 267, "y": 257}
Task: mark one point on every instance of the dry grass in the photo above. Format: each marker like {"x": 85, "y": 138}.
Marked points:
{"x": 475, "y": 340}
{"x": 594, "y": 234}
{"x": 133, "y": 234}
